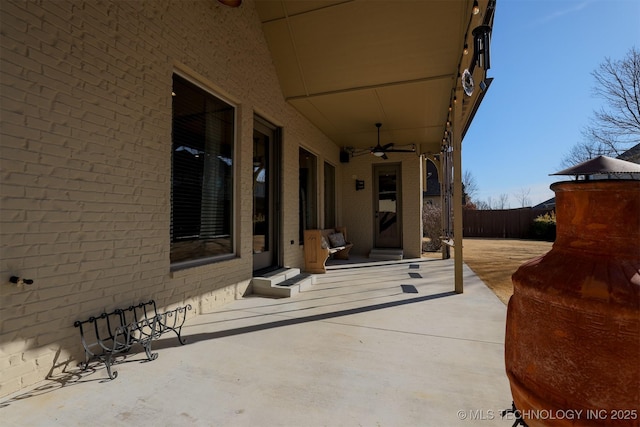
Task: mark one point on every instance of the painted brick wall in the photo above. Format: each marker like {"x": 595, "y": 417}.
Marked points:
{"x": 85, "y": 162}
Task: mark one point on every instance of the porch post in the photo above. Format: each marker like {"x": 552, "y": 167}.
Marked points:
{"x": 457, "y": 191}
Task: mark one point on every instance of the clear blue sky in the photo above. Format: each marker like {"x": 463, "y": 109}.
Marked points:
{"x": 542, "y": 55}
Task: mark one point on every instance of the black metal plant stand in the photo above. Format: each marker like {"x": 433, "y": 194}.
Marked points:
{"x": 112, "y": 333}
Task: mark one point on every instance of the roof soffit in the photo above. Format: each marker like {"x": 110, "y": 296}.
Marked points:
{"x": 349, "y": 64}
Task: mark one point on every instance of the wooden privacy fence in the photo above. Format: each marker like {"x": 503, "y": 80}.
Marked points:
{"x": 503, "y": 223}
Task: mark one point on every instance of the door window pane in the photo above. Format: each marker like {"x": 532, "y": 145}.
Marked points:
{"x": 261, "y": 208}
{"x": 387, "y": 215}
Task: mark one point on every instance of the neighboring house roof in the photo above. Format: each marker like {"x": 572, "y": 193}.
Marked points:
{"x": 433, "y": 182}
{"x": 547, "y": 204}
{"x": 631, "y": 155}
{"x": 432, "y": 190}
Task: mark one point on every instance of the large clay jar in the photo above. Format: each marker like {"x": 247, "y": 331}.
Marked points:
{"x": 572, "y": 345}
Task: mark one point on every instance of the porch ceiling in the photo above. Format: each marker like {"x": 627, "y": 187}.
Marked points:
{"x": 346, "y": 65}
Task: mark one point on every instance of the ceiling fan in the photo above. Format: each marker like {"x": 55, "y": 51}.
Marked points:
{"x": 382, "y": 150}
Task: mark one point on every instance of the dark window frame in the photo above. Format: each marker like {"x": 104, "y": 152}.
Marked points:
{"x": 308, "y": 187}
{"x": 203, "y": 175}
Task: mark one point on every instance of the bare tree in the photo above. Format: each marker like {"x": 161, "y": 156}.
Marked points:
{"x": 432, "y": 228}
{"x": 503, "y": 201}
{"x": 482, "y": 205}
{"x": 490, "y": 203}
{"x": 583, "y": 151}
{"x": 522, "y": 196}
{"x": 616, "y": 127}
{"x": 469, "y": 187}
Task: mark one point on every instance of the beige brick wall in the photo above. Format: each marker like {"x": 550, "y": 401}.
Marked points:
{"x": 85, "y": 162}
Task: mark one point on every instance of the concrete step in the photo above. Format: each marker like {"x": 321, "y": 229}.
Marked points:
{"x": 282, "y": 283}
{"x": 386, "y": 254}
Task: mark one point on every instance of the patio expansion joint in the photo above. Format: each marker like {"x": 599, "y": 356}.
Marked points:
{"x": 417, "y": 333}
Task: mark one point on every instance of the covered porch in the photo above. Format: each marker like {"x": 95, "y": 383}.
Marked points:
{"x": 394, "y": 85}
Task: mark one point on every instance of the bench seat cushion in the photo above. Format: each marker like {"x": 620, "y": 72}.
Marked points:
{"x": 337, "y": 240}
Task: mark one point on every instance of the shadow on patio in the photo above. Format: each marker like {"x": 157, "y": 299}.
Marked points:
{"x": 369, "y": 344}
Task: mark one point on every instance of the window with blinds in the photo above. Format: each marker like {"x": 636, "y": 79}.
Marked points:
{"x": 202, "y": 174}
{"x": 329, "y": 195}
{"x": 308, "y": 192}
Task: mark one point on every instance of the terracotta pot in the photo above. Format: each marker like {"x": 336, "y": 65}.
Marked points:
{"x": 573, "y": 323}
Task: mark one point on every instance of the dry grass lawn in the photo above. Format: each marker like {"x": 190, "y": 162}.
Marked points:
{"x": 495, "y": 260}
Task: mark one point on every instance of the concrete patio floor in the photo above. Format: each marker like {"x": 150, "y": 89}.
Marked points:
{"x": 360, "y": 348}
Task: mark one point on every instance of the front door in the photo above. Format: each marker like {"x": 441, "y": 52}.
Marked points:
{"x": 387, "y": 206}
{"x": 264, "y": 195}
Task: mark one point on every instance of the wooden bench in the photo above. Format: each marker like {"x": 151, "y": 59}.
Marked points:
{"x": 319, "y": 245}
{"x": 111, "y": 333}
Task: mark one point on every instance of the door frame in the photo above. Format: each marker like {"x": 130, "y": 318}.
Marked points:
{"x": 377, "y": 169}
{"x": 275, "y": 190}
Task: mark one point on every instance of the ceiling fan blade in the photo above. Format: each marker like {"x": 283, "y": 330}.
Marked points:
{"x": 361, "y": 152}
{"x": 384, "y": 156}
{"x": 386, "y": 147}
{"x": 400, "y": 151}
